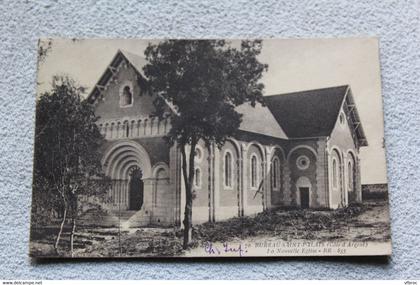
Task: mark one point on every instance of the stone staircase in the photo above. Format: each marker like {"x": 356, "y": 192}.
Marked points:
{"x": 127, "y": 218}
{"x": 134, "y": 219}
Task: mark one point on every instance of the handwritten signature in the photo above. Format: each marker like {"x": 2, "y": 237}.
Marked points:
{"x": 211, "y": 249}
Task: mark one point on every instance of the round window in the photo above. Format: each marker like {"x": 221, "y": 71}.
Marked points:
{"x": 303, "y": 162}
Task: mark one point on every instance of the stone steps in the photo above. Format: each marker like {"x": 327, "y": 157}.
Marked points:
{"x": 138, "y": 219}
{"x": 127, "y": 219}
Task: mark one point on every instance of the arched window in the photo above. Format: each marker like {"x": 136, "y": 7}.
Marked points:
{"x": 342, "y": 118}
{"x": 111, "y": 130}
{"x": 197, "y": 178}
{"x": 228, "y": 169}
{"x": 198, "y": 153}
{"x": 127, "y": 129}
{"x": 350, "y": 176}
{"x": 254, "y": 171}
{"x": 126, "y": 97}
{"x": 161, "y": 173}
{"x": 335, "y": 173}
{"x": 275, "y": 174}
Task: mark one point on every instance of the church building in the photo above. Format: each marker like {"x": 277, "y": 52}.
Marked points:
{"x": 299, "y": 150}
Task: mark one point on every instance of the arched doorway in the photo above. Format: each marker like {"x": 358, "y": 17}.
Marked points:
{"x": 303, "y": 186}
{"x": 127, "y": 163}
{"x": 135, "y": 189}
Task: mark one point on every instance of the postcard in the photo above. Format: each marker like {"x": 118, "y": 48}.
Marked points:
{"x": 209, "y": 148}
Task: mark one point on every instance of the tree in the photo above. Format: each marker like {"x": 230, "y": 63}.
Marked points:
{"x": 66, "y": 159}
{"x": 204, "y": 80}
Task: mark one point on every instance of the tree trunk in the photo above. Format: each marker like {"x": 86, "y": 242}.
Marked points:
{"x": 188, "y": 180}
{"x": 61, "y": 229}
{"x": 187, "y": 223}
{"x": 74, "y": 209}
{"x": 73, "y": 230}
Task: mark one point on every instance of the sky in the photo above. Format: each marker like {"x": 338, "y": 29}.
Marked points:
{"x": 294, "y": 65}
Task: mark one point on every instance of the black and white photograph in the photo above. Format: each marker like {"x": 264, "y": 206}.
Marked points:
{"x": 209, "y": 148}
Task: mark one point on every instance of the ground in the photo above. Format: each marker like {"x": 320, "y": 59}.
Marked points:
{"x": 358, "y": 223}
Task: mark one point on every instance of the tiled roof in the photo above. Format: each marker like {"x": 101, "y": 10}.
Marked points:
{"x": 138, "y": 62}
{"x": 259, "y": 120}
{"x": 135, "y": 60}
{"x": 311, "y": 113}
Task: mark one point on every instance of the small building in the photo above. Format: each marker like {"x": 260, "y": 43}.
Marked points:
{"x": 301, "y": 149}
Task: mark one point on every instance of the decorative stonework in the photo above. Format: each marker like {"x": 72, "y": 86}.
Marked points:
{"x": 303, "y": 162}
{"x": 138, "y": 127}
{"x": 287, "y": 193}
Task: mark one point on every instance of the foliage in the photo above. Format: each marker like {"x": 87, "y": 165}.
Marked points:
{"x": 203, "y": 81}
{"x": 66, "y": 158}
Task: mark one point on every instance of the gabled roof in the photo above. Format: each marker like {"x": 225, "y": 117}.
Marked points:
{"x": 304, "y": 114}
{"x": 259, "y": 120}
{"x": 135, "y": 60}
{"x": 312, "y": 113}
{"x": 355, "y": 119}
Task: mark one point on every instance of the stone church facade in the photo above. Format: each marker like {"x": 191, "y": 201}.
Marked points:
{"x": 299, "y": 150}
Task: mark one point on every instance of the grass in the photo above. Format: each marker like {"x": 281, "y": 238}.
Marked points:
{"x": 284, "y": 223}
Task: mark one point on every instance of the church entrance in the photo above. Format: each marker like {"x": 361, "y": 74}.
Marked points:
{"x": 304, "y": 197}
{"x": 136, "y": 189}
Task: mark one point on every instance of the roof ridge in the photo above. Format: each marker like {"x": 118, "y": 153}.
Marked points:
{"x": 129, "y": 52}
{"x": 307, "y": 90}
